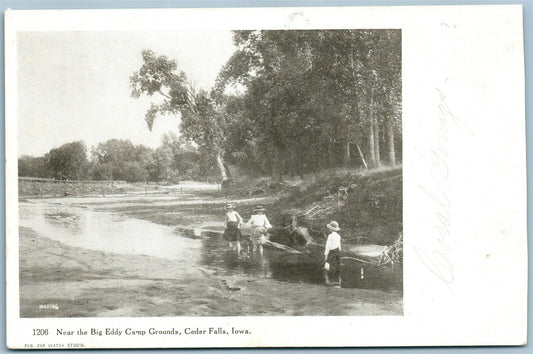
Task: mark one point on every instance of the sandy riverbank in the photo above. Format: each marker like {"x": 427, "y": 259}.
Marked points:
{"x": 57, "y": 280}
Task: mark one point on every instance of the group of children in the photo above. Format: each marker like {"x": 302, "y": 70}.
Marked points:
{"x": 260, "y": 225}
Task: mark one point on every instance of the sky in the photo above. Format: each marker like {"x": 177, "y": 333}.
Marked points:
{"x": 75, "y": 85}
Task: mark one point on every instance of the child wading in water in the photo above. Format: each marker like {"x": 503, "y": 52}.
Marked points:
{"x": 260, "y": 225}
{"x": 332, "y": 254}
{"x": 232, "y": 233}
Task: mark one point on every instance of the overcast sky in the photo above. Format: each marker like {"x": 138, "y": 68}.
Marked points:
{"x": 75, "y": 85}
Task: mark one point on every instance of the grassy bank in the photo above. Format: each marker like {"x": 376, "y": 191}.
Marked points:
{"x": 368, "y": 204}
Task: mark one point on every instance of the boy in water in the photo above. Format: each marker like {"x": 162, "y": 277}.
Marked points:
{"x": 260, "y": 225}
{"x": 232, "y": 233}
{"x": 332, "y": 254}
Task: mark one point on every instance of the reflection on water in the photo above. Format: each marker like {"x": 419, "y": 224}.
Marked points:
{"x": 306, "y": 268}
{"x": 109, "y": 232}
{"x": 216, "y": 254}
{"x": 106, "y": 232}
{"x": 274, "y": 264}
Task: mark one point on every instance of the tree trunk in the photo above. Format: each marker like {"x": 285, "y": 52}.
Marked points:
{"x": 371, "y": 149}
{"x": 361, "y": 156}
{"x": 371, "y": 136}
{"x": 222, "y": 168}
{"x": 347, "y": 156}
{"x": 376, "y": 143}
{"x": 391, "y": 156}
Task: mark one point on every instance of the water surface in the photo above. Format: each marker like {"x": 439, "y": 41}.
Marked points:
{"x": 89, "y": 228}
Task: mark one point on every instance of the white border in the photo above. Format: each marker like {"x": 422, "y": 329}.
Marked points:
{"x": 462, "y": 74}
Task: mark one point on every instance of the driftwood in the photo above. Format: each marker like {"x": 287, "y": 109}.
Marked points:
{"x": 392, "y": 254}
{"x": 373, "y": 255}
{"x": 320, "y": 211}
{"x": 279, "y": 246}
{"x": 330, "y": 203}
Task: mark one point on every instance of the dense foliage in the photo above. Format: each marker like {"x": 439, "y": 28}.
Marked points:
{"x": 290, "y": 101}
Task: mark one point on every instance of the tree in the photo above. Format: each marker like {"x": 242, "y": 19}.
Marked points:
{"x": 272, "y": 67}
{"x": 160, "y": 166}
{"x": 339, "y": 87}
{"x": 185, "y": 157}
{"x": 29, "y": 166}
{"x": 133, "y": 171}
{"x": 289, "y": 101}
{"x": 383, "y": 59}
{"x": 100, "y": 171}
{"x": 69, "y": 161}
{"x": 121, "y": 160}
{"x": 114, "y": 151}
{"x": 200, "y": 121}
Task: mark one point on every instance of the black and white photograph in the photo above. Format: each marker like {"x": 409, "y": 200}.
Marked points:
{"x": 265, "y": 177}
{"x": 235, "y": 173}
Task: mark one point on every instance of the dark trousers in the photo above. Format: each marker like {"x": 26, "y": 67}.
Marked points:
{"x": 334, "y": 260}
{"x": 232, "y": 232}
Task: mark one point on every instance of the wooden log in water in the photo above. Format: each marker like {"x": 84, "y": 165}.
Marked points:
{"x": 368, "y": 254}
{"x": 279, "y": 246}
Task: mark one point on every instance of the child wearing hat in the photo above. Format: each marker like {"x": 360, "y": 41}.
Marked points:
{"x": 332, "y": 253}
{"x": 232, "y": 233}
{"x": 259, "y": 224}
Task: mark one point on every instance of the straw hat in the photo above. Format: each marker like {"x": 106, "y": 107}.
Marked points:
{"x": 230, "y": 206}
{"x": 259, "y": 208}
{"x": 333, "y": 226}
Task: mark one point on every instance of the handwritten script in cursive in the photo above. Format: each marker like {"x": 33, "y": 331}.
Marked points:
{"x": 437, "y": 259}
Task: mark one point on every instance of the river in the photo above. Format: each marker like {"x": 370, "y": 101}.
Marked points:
{"x": 80, "y": 224}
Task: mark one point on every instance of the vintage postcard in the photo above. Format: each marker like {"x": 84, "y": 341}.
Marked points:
{"x": 265, "y": 177}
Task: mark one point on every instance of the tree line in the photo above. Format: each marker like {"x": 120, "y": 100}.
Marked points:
{"x": 115, "y": 159}
{"x": 285, "y": 103}
{"x": 288, "y": 102}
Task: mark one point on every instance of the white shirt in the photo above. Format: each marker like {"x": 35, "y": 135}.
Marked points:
{"x": 259, "y": 220}
{"x": 232, "y": 215}
{"x": 333, "y": 242}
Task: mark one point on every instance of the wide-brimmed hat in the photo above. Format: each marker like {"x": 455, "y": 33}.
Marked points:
{"x": 230, "y": 206}
{"x": 259, "y": 208}
{"x": 333, "y": 226}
